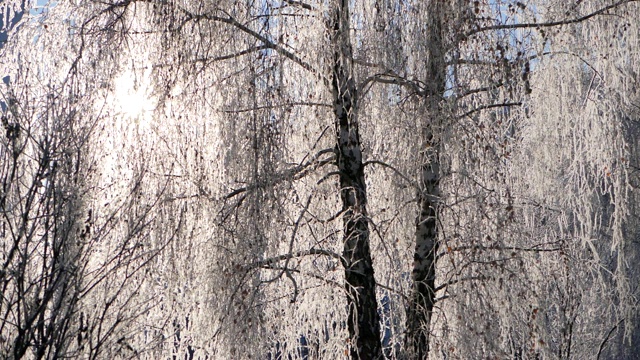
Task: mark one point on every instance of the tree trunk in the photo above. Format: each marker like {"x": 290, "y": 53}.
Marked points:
{"x": 363, "y": 320}
{"x": 426, "y": 235}
{"x": 427, "y": 243}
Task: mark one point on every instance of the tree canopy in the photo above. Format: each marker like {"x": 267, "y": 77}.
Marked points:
{"x": 338, "y": 179}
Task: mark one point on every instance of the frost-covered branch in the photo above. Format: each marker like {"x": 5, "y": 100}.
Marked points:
{"x": 549, "y": 23}
{"x": 297, "y": 254}
{"x": 390, "y": 78}
{"x": 490, "y": 106}
{"x": 291, "y": 174}
{"x": 537, "y": 248}
{"x": 458, "y": 280}
{"x": 228, "y": 19}
{"x": 392, "y": 168}
{"x": 275, "y": 106}
{"x": 300, "y": 4}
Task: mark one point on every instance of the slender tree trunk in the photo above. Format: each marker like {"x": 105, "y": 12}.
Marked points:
{"x": 426, "y": 235}
{"x": 427, "y": 243}
{"x": 363, "y": 319}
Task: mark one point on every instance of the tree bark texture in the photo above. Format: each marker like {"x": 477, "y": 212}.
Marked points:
{"x": 363, "y": 320}
{"x": 426, "y": 235}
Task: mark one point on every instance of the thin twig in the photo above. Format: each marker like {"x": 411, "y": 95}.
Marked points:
{"x": 547, "y": 24}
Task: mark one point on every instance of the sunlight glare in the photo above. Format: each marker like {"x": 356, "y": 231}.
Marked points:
{"x": 131, "y": 96}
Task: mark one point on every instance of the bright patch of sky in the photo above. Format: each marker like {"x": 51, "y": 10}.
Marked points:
{"x": 41, "y": 7}
{"x": 131, "y": 95}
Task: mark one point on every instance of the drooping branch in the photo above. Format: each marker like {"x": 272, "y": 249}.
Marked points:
{"x": 537, "y": 248}
{"x": 305, "y": 273}
{"x": 297, "y": 254}
{"x": 291, "y": 174}
{"x": 208, "y": 60}
{"x": 392, "y": 168}
{"x": 392, "y": 79}
{"x": 550, "y": 23}
{"x": 291, "y": 242}
{"x": 267, "y": 43}
{"x": 458, "y": 280}
{"x": 606, "y": 338}
{"x": 274, "y": 106}
{"x": 300, "y": 4}
{"x": 489, "y": 106}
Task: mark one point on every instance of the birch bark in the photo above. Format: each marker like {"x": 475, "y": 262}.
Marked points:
{"x": 363, "y": 320}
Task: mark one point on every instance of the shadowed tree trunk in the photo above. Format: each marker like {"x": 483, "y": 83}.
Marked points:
{"x": 426, "y": 235}
{"x": 363, "y": 320}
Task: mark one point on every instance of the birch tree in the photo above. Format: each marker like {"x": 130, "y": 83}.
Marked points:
{"x": 286, "y": 179}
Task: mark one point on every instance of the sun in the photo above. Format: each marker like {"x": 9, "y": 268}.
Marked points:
{"x": 131, "y": 97}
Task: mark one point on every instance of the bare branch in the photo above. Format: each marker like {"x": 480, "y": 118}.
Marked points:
{"x": 285, "y": 268}
{"x": 327, "y": 176}
{"x": 489, "y": 106}
{"x": 306, "y": 273}
{"x": 228, "y": 19}
{"x": 273, "y": 106}
{"x": 220, "y": 58}
{"x": 459, "y": 280}
{"x": 606, "y": 339}
{"x": 550, "y": 23}
{"x": 300, "y": 4}
{"x": 294, "y": 173}
{"x": 389, "y": 78}
{"x": 537, "y": 248}
{"x": 303, "y": 253}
